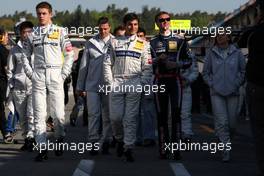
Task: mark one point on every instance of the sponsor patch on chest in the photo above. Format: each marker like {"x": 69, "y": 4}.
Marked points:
{"x": 139, "y": 45}
{"x": 54, "y": 35}
{"x": 172, "y": 46}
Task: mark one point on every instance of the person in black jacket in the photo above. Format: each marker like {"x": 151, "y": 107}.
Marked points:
{"x": 3, "y": 78}
{"x": 78, "y": 99}
{"x": 255, "y": 85}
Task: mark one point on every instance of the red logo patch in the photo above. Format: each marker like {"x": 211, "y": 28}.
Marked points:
{"x": 149, "y": 61}
{"x": 68, "y": 47}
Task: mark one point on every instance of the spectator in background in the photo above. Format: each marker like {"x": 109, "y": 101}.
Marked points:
{"x": 147, "y": 112}
{"x": 224, "y": 71}
{"x": 3, "y": 82}
{"x": 21, "y": 88}
{"x": 79, "y": 100}
{"x": 119, "y": 31}
{"x": 255, "y": 85}
{"x": 188, "y": 77}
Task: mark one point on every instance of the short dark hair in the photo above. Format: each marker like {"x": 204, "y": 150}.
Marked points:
{"x": 120, "y": 27}
{"x": 228, "y": 36}
{"x": 2, "y": 30}
{"x": 260, "y": 3}
{"x": 159, "y": 14}
{"x": 24, "y": 25}
{"x": 103, "y": 20}
{"x": 140, "y": 29}
{"x": 130, "y": 17}
{"x": 45, "y": 5}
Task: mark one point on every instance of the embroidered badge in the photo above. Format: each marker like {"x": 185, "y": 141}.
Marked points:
{"x": 172, "y": 46}
{"x": 139, "y": 45}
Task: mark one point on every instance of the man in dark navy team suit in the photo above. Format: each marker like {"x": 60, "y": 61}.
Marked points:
{"x": 170, "y": 54}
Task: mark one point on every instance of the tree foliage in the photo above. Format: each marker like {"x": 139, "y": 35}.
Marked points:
{"x": 85, "y": 17}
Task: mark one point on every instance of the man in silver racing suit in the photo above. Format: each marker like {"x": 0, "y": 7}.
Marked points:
{"x": 53, "y": 58}
{"x": 127, "y": 67}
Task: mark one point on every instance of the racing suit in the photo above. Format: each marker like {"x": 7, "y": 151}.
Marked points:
{"x": 53, "y": 58}
{"x": 175, "y": 50}
{"x": 128, "y": 64}
{"x": 21, "y": 90}
{"x": 89, "y": 79}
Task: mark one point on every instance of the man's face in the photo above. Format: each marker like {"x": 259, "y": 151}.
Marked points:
{"x": 4, "y": 39}
{"x": 164, "y": 22}
{"x": 44, "y": 16}
{"x": 222, "y": 39}
{"x": 131, "y": 27}
{"x": 141, "y": 35}
{"x": 104, "y": 30}
{"x": 24, "y": 33}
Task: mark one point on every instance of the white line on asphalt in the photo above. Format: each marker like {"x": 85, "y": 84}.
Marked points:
{"x": 179, "y": 169}
{"x": 84, "y": 168}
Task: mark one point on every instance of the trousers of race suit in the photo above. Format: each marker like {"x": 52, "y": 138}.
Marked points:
{"x": 23, "y": 104}
{"x": 146, "y": 118}
{"x": 48, "y": 82}
{"x": 98, "y": 106}
{"x": 225, "y": 109}
{"x": 186, "y": 115}
{"x": 172, "y": 96}
{"x": 124, "y": 108}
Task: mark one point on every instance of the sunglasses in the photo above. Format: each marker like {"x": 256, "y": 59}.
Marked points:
{"x": 161, "y": 20}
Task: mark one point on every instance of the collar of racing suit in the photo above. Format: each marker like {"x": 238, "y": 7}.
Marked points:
{"x": 131, "y": 38}
{"x": 20, "y": 44}
{"x": 43, "y": 30}
{"x": 166, "y": 35}
{"x": 46, "y": 28}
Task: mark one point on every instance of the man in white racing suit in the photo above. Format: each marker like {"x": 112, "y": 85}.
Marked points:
{"x": 126, "y": 69}
{"x": 53, "y": 58}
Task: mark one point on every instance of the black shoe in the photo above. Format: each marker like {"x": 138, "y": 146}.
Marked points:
{"x": 31, "y": 144}
{"x": 59, "y": 150}
{"x": 120, "y": 149}
{"x": 50, "y": 124}
{"x": 73, "y": 122}
{"x": 129, "y": 156}
{"x": 42, "y": 156}
{"x": 105, "y": 148}
{"x": 176, "y": 156}
{"x": 25, "y": 146}
{"x": 164, "y": 154}
{"x": 149, "y": 143}
{"x": 93, "y": 152}
{"x": 113, "y": 143}
{"x": 138, "y": 144}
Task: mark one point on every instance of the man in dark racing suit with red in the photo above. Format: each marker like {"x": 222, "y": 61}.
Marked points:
{"x": 170, "y": 54}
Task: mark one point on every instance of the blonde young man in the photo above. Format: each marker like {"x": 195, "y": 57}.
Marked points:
{"x": 53, "y": 58}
